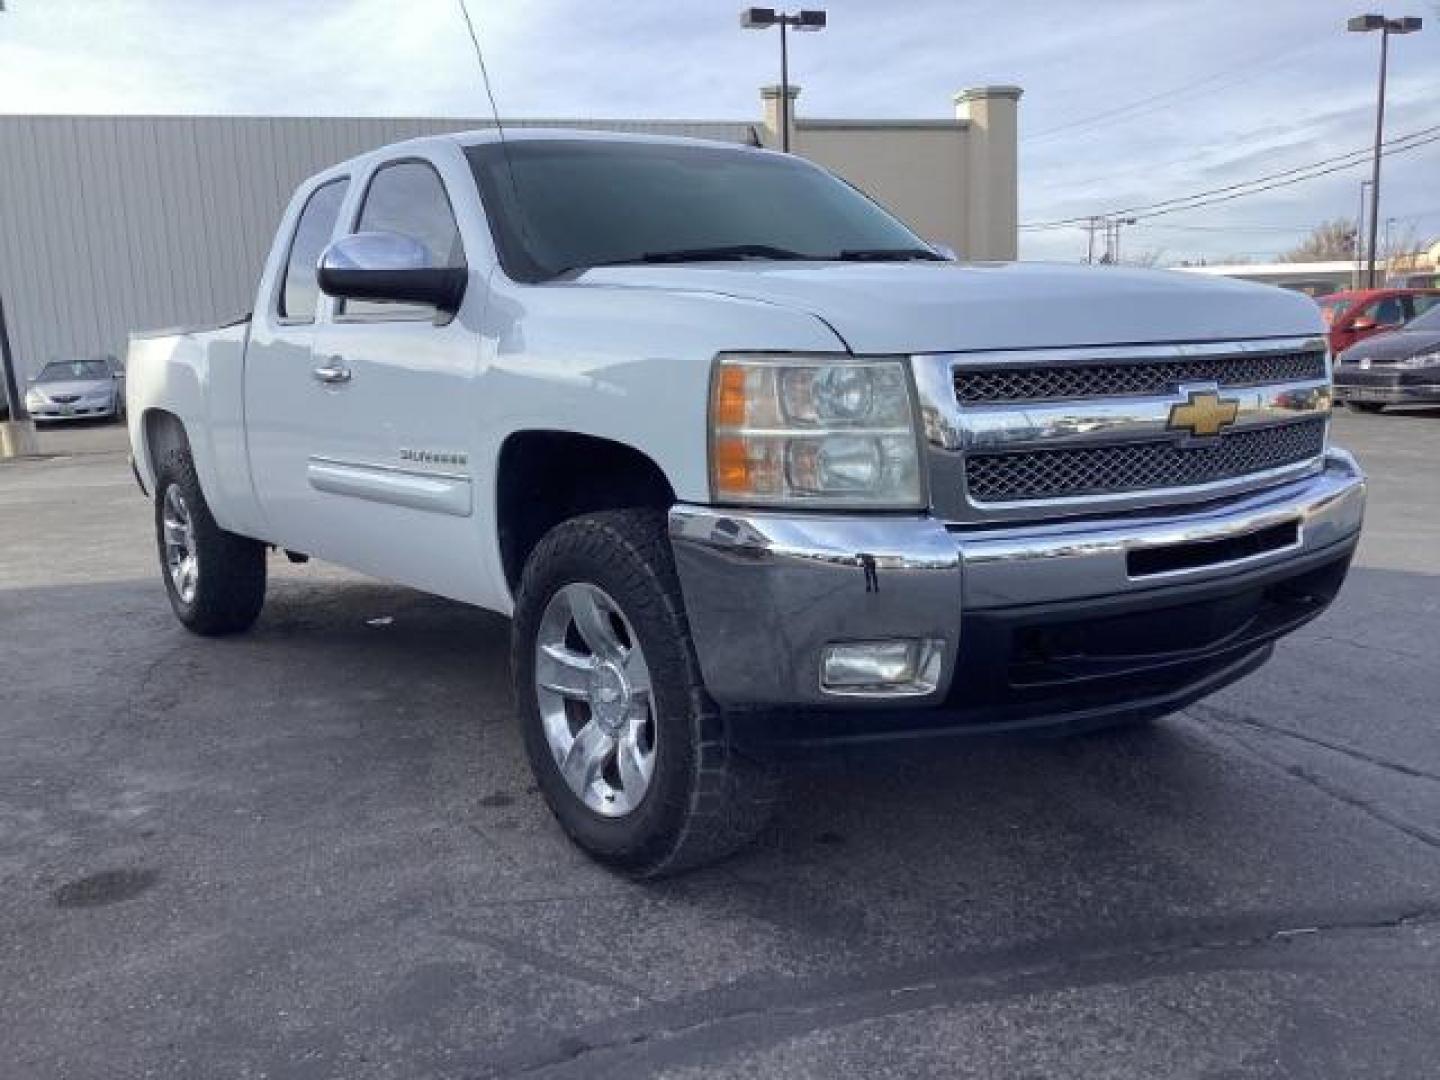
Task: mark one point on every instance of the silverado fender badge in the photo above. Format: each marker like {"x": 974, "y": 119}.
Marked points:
{"x": 433, "y": 457}
{"x": 1204, "y": 415}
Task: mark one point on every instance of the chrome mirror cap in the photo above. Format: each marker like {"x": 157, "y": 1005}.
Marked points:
{"x": 389, "y": 267}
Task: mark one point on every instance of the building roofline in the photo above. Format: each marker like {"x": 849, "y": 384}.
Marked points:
{"x": 878, "y": 125}
{"x": 473, "y": 121}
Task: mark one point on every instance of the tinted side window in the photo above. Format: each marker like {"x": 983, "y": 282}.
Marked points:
{"x": 1425, "y": 302}
{"x": 1388, "y": 312}
{"x": 312, "y": 233}
{"x": 409, "y": 198}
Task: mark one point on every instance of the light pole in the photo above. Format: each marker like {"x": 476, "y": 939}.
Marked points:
{"x": 759, "y": 18}
{"x": 1364, "y": 24}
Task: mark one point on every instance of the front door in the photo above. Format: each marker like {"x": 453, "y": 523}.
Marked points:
{"x": 390, "y": 466}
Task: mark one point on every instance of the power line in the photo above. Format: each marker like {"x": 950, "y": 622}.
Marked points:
{"x": 1261, "y": 65}
{"x": 1287, "y": 183}
{"x": 1168, "y": 205}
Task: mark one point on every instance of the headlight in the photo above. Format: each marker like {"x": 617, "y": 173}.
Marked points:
{"x": 34, "y": 400}
{"x": 828, "y": 431}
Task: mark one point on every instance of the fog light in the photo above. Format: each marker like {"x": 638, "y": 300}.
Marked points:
{"x": 882, "y": 668}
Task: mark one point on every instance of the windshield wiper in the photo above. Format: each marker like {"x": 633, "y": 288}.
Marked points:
{"x": 716, "y": 254}
{"x": 891, "y": 255}
{"x": 699, "y": 254}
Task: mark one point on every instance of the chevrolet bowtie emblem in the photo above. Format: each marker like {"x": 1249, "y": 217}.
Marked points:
{"x": 1204, "y": 415}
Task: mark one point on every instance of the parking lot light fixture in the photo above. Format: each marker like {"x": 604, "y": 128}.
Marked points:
{"x": 808, "y": 20}
{"x": 1364, "y": 24}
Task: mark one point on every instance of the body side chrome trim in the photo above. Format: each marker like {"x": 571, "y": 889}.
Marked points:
{"x": 443, "y": 493}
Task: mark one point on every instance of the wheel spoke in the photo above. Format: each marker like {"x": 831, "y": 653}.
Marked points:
{"x": 585, "y": 757}
{"x": 593, "y": 622}
{"x": 634, "y": 767}
{"x": 562, "y": 671}
{"x": 175, "y": 533}
{"x": 637, "y": 672}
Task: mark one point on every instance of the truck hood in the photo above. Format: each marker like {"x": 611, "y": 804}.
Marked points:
{"x": 921, "y": 307}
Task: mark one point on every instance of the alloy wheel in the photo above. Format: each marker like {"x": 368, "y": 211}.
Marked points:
{"x": 596, "y": 702}
{"x": 182, "y": 561}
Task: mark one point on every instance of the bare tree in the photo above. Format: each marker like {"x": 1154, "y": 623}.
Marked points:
{"x": 1147, "y": 258}
{"x": 1402, "y": 248}
{"x": 1330, "y": 240}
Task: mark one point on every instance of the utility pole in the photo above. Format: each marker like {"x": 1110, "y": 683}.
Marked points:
{"x": 1362, "y": 24}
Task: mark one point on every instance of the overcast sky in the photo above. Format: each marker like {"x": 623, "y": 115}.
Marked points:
{"x": 1126, "y": 101}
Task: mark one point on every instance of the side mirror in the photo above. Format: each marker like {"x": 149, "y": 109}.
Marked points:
{"x": 389, "y": 267}
{"x": 1364, "y": 323}
{"x": 944, "y": 249}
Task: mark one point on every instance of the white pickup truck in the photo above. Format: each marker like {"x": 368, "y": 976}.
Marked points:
{"x": 749, "y": 463}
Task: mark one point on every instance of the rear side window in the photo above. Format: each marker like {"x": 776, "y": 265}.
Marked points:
{"x": 409, "y": 198}
{"x": 312, "y": 232}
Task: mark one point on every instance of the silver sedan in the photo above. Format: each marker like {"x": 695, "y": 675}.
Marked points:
{"x": 77, "y": 390}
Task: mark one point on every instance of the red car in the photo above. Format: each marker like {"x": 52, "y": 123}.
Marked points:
{"x": 1356, "y": 314}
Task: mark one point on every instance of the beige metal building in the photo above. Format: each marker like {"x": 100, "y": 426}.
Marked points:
{"x": 110, "y": 224}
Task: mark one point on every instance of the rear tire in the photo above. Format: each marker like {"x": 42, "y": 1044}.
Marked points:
{"x": 215, "y": 579}
{"x": 1365, "y": 406}
{"x": 688, "y": 796}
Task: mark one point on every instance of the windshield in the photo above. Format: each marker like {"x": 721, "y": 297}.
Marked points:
{"x": 74, "y": 369}
{"x": 1428, "y": 321}
{"x": 573, "y": 204}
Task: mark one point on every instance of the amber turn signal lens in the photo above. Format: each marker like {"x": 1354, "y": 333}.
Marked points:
{"x": 732, "y": 466}
{"x": 730, "y": 397}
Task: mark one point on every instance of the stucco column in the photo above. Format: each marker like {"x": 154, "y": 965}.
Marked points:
{"x": 770, "y": 100}
{"x": 991, "y": 170}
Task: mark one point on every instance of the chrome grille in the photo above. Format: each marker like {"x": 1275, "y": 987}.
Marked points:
{"x": 1047, "y": 382}
{"x": 1105, "y": 470}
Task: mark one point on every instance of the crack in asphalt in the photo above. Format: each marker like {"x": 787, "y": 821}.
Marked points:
{"x": 1227, "y": 716}
{"x": 543, "y": 960}
{"x": 761, "y": 1014}
{"x": 1327, "y": 787}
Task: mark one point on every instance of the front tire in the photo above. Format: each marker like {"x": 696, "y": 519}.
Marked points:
{"x": 215, "y": 579}
{"x": 631, "y": 754}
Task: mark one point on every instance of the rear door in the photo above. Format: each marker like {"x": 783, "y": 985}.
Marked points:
{"x": 390, "y": 458}
{"x": 282, "y": 397}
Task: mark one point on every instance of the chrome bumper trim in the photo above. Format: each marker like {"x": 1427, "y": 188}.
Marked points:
{"x": 1010, "y": 567}
{"x": 1396, "y": 393}
{"x": 766, "y": 591}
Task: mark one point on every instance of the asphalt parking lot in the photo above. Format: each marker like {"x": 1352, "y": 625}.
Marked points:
{"x": 314, "y": 851}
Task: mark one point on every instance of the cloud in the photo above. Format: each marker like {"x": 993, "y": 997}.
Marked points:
{"x": 1124, "y": 102}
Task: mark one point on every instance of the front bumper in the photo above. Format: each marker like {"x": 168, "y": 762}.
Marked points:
{"x": 1387, "y": 384}
{"x": 1039, "y": 622}
{"x": 51, "y": 413}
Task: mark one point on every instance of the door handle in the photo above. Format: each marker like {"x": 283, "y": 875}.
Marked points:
{"x": 332, "y": 373}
